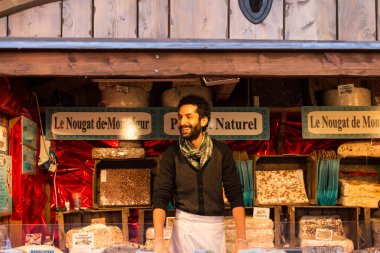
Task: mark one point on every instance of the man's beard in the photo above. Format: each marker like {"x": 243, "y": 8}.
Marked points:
{"x": 195, "y": 131}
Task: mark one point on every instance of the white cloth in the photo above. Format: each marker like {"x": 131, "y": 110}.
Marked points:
{"x": 197, "y": 232}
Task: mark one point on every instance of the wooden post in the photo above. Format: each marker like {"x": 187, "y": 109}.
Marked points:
{"x": 16, "y": 232}
{"x": 141, "y": 226}
{"x": 277, "y": 226}
{"x": 367, "y": 226}
{"x": 124, "y": 218}
{"x": 61, "y": 229}
{"x": 292, "y": 226}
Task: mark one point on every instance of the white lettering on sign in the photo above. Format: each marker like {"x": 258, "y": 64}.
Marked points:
{"x": 127, "y": 125}
{"x": 222, "y": 123}
{"x": 343, "y": 122}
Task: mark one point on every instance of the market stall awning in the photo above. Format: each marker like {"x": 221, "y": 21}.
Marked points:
{"x": 186, "y": 58}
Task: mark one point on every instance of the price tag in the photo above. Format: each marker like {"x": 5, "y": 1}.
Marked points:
{"x": 323, "y": 234}
{"x": 169, "y": 222}
{"x": 85, "y": 240}
{"x": 346, "y": 89}
{"x": 261, "y": 212}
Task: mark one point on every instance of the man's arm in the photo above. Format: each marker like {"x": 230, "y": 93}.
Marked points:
{"x": 159, "y": 216}
{"x": 239, "y": 217}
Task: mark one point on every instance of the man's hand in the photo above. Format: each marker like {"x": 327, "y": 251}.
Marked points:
{"x": 159, "y": 245}
{"x": 240, "y": 244}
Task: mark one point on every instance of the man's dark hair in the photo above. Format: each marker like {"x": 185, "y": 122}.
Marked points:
{"x": 203, "y": 107}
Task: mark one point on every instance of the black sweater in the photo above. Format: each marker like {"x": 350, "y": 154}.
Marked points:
{"x": 198, "y": 191}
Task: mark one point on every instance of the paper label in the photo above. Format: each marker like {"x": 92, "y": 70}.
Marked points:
{"x": 261, "y": 212}
{"x": 323, "y": 234}
{"x": 169, "y": 222}
{"x": 83, "y": 240}
{"x": 3, "y": 140}
{"x": 346, "y": 89}
{"x": 33, "y": 239}
{"x": 103, "y": 176}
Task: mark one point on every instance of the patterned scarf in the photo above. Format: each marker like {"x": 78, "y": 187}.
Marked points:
{"x": 197, "y": 157}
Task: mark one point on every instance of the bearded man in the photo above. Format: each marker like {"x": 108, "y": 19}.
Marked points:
{"x": 193, "y": 173}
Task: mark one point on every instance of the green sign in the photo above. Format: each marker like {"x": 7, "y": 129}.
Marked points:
{"x": 353, "y": 122}
{"x": 233, "y": 123}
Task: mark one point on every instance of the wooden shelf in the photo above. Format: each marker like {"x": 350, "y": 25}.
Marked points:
{"x": 81, "y": 218}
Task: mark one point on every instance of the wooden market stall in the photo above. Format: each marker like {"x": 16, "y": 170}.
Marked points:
{"x": 67, "y": 43}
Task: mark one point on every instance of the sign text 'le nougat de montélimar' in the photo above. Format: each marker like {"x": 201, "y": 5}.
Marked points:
{"x": 327, "y": 123}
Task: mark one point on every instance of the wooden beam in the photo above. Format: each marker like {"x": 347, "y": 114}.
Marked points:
{"x": 8, "y": 7}
{"x": 189, "y": 64}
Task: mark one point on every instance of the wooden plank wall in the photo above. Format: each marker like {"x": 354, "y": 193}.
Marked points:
{"x": 310, "y": 20}
{"x": 77, "y": 19}
{"x": 271, "y": 28}
{"x": 199, "y": 19}
{"x": 353, "y": 20}
{"x": 357, "y": 20}
{"x": 115, "y": 18}
{"x": 153, "y": 19}
{"x": 41, "y": 21}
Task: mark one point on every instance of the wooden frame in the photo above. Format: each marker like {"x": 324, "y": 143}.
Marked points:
{"x": 187, "y": 58}
{"x": 186, "y": 64}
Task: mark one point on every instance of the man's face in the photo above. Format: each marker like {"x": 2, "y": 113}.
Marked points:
{"x": 189, "y": 124}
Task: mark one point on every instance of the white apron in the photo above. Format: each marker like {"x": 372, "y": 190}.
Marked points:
{"x": 197, "y": 232}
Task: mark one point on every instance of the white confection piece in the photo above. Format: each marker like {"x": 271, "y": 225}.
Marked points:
{"x": 27, "y": 249}
{"x": 260, "y": 235}
{"x": 360, "y": 201}
{"x": 230, "y": 245}
{"x": 150, "y": 233}
{"x": 230, "y": 234}
{"x": 308, "y": 225}
{"x": 104, "y": 235}
{"x": 347, "y": 244}
{"x": 362, "y": 188}
{"x": 85, "y": 250}
{"x": 280, "y": 187}
{"x": 259, "y": 223}
{"x": 263, "y": 245}
{"x": 262, "y": 250}
{"x": 150, "y": 243}
{"x": 362, "y": 148}
{"x": 117, "y": 153}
